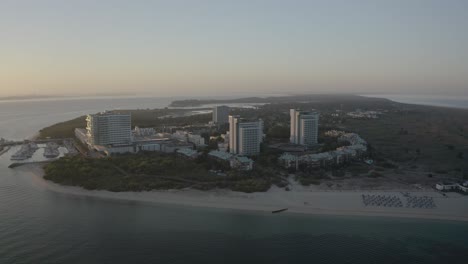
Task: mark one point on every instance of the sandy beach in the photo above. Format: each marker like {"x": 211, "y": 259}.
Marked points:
{"x": 300, "y": 199}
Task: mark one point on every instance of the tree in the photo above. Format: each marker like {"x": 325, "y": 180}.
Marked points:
{"x": 278, "y": 132}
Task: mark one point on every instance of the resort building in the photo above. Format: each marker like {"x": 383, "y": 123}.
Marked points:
{"x": 142, "y": 132}
{"x": 304, "y": 127}
{"x": 188, "y": 153}
{"x": 197, "y": 140}
{"x": 109, "y": 129}
{"x": 220, "y": 155}
{"x": 452, "y": 186}
{"x": 234, "y": 161}
{"x": 352, "y": 138}
{"x": 241, "y": 163}
{"x": 302, "y": 160}
{"x": 245, "y": 136}
{"x": 220, "y": 115}
{"x": 185, "y": 136}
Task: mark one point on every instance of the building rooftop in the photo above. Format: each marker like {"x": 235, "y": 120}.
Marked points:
{"x": 187, "y": 152}
{"x": 290, "y": 147}
{"x": 221, "y": 154}
{"x": 243, "y": 159}
{"x": 288, "y": 157}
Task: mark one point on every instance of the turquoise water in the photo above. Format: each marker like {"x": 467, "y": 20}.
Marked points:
{"x": 41, "y": 226}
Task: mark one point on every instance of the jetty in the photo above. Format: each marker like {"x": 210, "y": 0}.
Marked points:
{"x": 18, "y": 164}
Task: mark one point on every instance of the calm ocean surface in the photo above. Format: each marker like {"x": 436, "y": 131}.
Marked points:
{"x": 41, "y": 226}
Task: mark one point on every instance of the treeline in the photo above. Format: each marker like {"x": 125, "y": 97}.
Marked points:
{"x": 64, "y": 129}
{"x": 150, "y": 171}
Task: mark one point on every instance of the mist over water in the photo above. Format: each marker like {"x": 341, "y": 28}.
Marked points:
{"x": 38, "y": 225}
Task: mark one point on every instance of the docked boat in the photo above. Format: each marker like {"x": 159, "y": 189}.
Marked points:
{"x": 51, "y": 150}
{"x": 25, "y": 152}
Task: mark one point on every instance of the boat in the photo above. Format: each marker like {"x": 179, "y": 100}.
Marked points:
{"x": 25, "y": 152}
{"x": 51, "y": 150}
{"x": 279, "y": 211}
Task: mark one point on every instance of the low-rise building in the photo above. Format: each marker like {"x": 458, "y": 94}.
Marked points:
{"x": 334, "y": 133}
{"x": 452, "y": 186}
{"x": 358, "y": 114}
{"x": 221, "y": 155}
{"x": 185, "y": 136}
{"x": 197, "y": 140}
{"x": 352, "y": 138}
{"x": 188, "y": 153}
{"x": 117, "y": 149}
{"x": 144, "y": 132}
{"x": 288, "y": 147}
{"x": 288, "y": 161}
{"x": 234, "y": 161}
{"x": 340, "y": 156}
{"x": 241, "y": 163}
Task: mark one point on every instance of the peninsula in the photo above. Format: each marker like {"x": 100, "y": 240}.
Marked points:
{"x": 408, "y": 147}
{"x": 371, "y": 157}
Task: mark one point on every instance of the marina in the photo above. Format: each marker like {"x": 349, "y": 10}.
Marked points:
{"x": 31, "y": 151}
{"x": 25, "y": 152}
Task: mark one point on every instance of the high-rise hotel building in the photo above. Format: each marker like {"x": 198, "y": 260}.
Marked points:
{"x": 245, "y": 136}
{"x": 220, "y": 114}
{"x": 304, "y": 127}
{"x": 109, "y": 129}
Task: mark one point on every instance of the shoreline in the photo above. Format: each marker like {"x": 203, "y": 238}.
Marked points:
{"x": 462, "y": 104}
{"x": 301, "y": 201}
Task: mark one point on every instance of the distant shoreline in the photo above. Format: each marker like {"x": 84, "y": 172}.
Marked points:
{"x": 66, "y": 97}
{"x": 302, "y": 200}
{"x": 460, "y": 102}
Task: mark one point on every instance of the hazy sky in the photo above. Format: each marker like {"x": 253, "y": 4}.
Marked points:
{"x": 200, "y": 47}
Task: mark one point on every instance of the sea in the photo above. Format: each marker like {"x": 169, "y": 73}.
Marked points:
{"x": 38, "y": 225}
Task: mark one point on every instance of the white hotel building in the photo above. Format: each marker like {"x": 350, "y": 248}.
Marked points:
{"x": 304, "y": 127}
{"x": 109, "y": 129}
{"x": 245, "y": 136}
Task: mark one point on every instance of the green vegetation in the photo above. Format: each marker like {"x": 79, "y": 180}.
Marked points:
{"x": 312, "y": 177}
{"x": 64, "y": 129}
{"x": 148, "y": 171}
{"x": 330, "y": 143}
{"x": 278, "y": 132}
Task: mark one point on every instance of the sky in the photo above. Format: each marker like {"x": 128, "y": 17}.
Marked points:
{"x": 203, "y": 47}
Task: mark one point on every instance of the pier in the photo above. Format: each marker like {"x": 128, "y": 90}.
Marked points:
{"x": 7, "y": 143}
{"x": 17, "y": 164}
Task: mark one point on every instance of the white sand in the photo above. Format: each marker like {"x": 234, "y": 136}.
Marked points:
{"x": 298, "y": 200}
